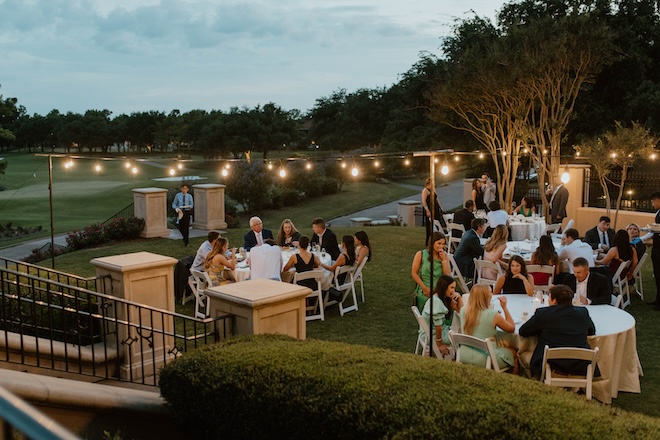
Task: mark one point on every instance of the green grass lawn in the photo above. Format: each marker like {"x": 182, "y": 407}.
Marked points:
{"x": 385, "y": 320}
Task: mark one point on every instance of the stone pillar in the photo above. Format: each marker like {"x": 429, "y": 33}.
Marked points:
{"x": 262, "y": 306}
{"x": 576, "y": 190}
{"x": 147, "y": 279}
{"x": 209, "y": 206}
{"x": 150, "y": 204}
{"x": 406, "y": 211}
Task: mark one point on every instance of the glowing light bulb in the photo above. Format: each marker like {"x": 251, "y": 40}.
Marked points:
{"x": 444, "y": 170}
{"x": 172, "y": 172}
{"x": 179, "y": 166}
{"x": 282, "y": 173}
{"x": 653, "y": 156}
{"x": 481, "y": 155}
{"x": 456, "y": 158}
{"x": 308, "y": 166}
{"x": 97, "y": 167}
{"x": 224, "y": 172}
{"x": 435, "y": 160}
{"x": 270, "y": 166}
{"x": 134, "y": 170}
{"x": 376, "y": 164}
{"x": 406, "y": 162}
{"x": 354, "y": 172}
{"x": 343, "y": 164}
{"x": 127, "y": 165}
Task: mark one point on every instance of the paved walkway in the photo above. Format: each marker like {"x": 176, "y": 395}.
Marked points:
{"x": 450, "y": 196}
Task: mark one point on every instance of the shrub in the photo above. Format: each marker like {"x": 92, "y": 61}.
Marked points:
{"x": 94, "y": 235}
{"x": 274, "y": 386}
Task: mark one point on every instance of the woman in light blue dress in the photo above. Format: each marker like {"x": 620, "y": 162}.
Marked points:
{"x": 480, "y": 321}
{"x": 446, "y": 301}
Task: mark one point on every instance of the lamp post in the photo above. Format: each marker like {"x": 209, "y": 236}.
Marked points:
{"x": 52, "y": 224}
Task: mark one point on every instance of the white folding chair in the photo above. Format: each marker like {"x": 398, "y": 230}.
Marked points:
{"x": 457, "y": 275}
{"x": 422, "y": 346}
{"x": 637, "y": 276}
{"x": 192, "y": 283}
{"x": 348, "y": 286}
{"x": 552, "y": 231}
{"x": 484, "y": 345}
{"x": 539, "y": 268}
{"x": 479, "y": 266}
{"x": 357, "y": 276}
{"x": 620, "y": 284}
{"x": 453, "y": 241}
{"x": 551, "y": 378}
{"x": 437, "y": 226}
{"x": 316, "y": 297}
{"x": 569, "y": 225}
{"x": 202, "y": 301}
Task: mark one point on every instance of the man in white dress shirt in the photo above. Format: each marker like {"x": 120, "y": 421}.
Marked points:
{"x": 572, "y": 247}
{"x": 266, "y": 261}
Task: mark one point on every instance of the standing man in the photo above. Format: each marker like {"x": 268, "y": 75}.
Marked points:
{"x": 325, "y": 237}
{"x": 560, "y": 325}
{"x": 257, "y": 234}
{"x": 558, "y": 200}
{"x": 489, "y": 188}
{"x": 183, "y": 205}
{"x": 655, "y": 253}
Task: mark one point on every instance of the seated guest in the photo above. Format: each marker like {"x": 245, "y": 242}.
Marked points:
{"x": 593, "y": 288}
{"x": 266, "y": 261}
{"x": 494, "y": 249}
{"x": 421, "y": 267}
{"x": 470, "y": 247}
{"x": 526, "y": 208}
{"x": 325, "y": 237}
{"x": 446, "y": 301}
{"x": 346, "y": 258}
{"x": 257, "y": 235}
{"x": 572, "y": 247}
{"x": 560, "y": 325}
{"x": 620, "y": 251}
{"x": 544, "y": 255}
{"x": 362, "y": 247}
{"x": 216, "y": 262}
{"x": 636, "y": 240}
{"x": 480, "y": 321}
{"x": 464, "y": 217}
{"x": 203, "y": 251}
{"x": 303, "y": 261}
{"x": 288, "y": 235}
{"x": 600, "y": 236}
{"x": 515, "y": 279}
{"x": 496, "y": 216}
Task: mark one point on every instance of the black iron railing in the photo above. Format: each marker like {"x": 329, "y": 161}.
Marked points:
{"x": 127, "y": 212}
{"x": 57, "y": 326}
{"x": 639, "y": 185}
{"x": 91, "y": 283}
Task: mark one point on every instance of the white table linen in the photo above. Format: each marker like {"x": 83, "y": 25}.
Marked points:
{"x": 526, "y": 227}
{"x": 242, "y": 271}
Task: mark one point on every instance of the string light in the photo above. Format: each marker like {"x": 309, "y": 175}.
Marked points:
{"x": 376, "y": 164}
{"x": 282, "y": 173}
{"x": 308, "y": 165}
{"x": 270, "y": 166}
{"x": 179, "y": 166}
{"x": 68, "y": 164}
{"x": 614, "y": 155}
{"x": 127, "y": 165}
{"x": 134, "y": 170}
{"x": 435, "y": 160}
{"x": 653, "y": 156}
{"x": 354, "y": 170}
{"x": 97, "y": 167}
{"x": 172, "y": 171}
{"x": 343, "y": 164}
{"x": 481, "y": 155}
{"x": 406, "y": 162}
{"x": 456, "y": 158}
{"x": 445, "y": 169}
{"x": 224, "y": 172}
{"x": 565, "y": 176}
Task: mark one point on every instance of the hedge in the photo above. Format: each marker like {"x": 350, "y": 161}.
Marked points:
{"x": 277, "y": 387}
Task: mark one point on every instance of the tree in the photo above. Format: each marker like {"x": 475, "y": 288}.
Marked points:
{"x": 622, "y": 148}
{"x": 9, "y": 113}
{"x": 249, "y": 183}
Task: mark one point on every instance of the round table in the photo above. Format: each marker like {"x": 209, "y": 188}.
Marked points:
{"x": 242, "y": 271}
{"x": 615, "y": 338}
{"x": 526, "y": 227}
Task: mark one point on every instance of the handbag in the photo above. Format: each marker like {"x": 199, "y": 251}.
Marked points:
{"x": 335, "y": 294}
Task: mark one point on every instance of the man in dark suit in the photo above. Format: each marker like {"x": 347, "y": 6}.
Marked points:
{"x": 470, "y": 247}
{"x": 592, "y": 287}
{"x": 464, "y": 217}
{"x": 560, "y": 325}
{"x": 655, "y": 253}
{"x": 325, "y": 237}
{"x": 558, "y": 200}
{"x": 600, "y": 236}
{"x": 257, "y": 235}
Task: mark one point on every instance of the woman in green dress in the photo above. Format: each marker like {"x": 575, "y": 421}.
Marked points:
{"x": 446, "y": 301}
{"x": 479, "y": 320}
{"x": 526, "y": 208}
{"x": 421, "y": 267}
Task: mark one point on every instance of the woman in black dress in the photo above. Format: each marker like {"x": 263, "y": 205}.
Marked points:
{"x": 515, "y": 279}
{"x": 303, "y": 261}
{"x": 478, "y": 195}
{"x": 437, "y": 210}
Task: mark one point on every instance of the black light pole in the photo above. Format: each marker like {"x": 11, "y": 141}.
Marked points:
{"x": 52, "y": 224}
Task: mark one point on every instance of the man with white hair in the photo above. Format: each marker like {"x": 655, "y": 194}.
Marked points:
{"x": 257, "y": 234}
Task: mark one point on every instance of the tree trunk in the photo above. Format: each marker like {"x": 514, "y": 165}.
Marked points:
{"x": 624, "y": 173}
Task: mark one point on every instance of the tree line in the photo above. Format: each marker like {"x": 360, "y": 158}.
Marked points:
{"x": 544, "y": 76}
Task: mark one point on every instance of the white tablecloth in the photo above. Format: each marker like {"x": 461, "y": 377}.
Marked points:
{"x": 615, "y": 338}
{"x": 242, "y": 271}
{"x": 529, "y": 228}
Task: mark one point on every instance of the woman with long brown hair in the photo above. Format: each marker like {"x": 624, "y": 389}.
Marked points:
{"x": 421, "y": 267}
{"x": 515, "y": 279}
{"x": 216, "y": 262}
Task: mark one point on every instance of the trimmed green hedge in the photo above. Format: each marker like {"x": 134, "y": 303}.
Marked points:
{"x": 277, "y": 387}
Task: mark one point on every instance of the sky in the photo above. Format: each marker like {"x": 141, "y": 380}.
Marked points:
{"x": 139, "y": 55}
